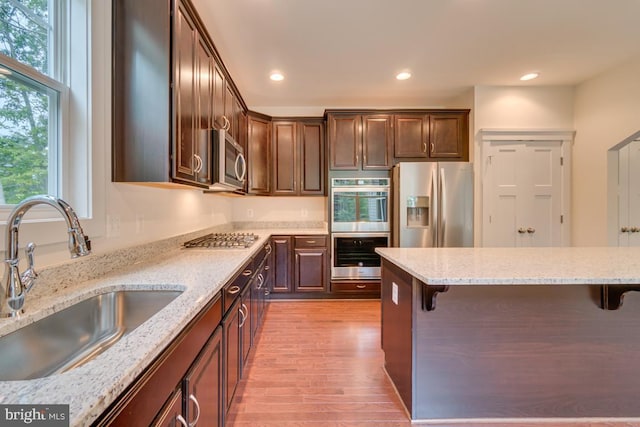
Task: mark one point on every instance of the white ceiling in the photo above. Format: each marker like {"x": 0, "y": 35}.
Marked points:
{"x": 346, "y": 53}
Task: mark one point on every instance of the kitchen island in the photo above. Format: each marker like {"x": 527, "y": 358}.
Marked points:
{"x": 513, "y": 333}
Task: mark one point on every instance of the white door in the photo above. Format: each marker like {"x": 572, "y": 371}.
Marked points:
{"x": 522, "y": 196}
{"x": 629, "y": 195}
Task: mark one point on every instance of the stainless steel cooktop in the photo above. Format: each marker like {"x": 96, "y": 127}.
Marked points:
{"x": 223, "y": 241}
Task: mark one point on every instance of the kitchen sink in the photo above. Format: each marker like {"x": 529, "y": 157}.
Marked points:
{"x": 73, "y": 336}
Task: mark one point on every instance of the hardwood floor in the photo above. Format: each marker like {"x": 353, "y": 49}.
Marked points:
{"x": 319, "y": 363}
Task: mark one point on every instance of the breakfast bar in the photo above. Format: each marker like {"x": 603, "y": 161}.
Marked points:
{"x": 509, "y": 334}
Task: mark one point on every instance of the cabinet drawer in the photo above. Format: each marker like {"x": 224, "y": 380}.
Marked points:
{"x": 310, "y": 241}
{"x": 355, "y": 287}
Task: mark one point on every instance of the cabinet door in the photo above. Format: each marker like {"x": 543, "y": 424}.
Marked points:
{"x": 233, "y": 359}
{"x": 344, "y": 142}
{"x": 171, "y": 414}
{"x": 259, "y": 156}
{"x": 447, "y": 135}
{"x": 204, "y": 118}
{"x": 311, "y": 270}
{"x": 219, "y": 89}
{"x": 245, "y": 327}
{"x": 411, "y": 135}
{"x": 377, "y": 140}
{"x": 282, "y": 248}
{"x": 184, "y": 102}
{"x": 311, "y": 154}
{"x": 203, "y": 384}
{"x": 229, "y": 110}
{"x": 285, "y": 167}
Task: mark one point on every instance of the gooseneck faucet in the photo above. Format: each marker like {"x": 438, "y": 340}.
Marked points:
{"x": 14, "y": 284}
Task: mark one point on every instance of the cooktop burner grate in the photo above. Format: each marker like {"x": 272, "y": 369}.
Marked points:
{"x": 223, "y": 241}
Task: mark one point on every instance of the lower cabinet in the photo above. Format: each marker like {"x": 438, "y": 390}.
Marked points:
{"x": 310, "y": 263}
{"x": 198, "y": 399}
{"x": 194, "y": 380}
{"x": 301, "y": 265}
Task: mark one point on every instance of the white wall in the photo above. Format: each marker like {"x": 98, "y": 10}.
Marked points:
{"x": 607, "y": 110}
{"x": 515, "y": 107}
{"x": 280, "y": 209}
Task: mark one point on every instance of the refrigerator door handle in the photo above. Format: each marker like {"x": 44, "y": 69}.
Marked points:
{"x": 433, "y": 203}
{"x": 442, "y": 203}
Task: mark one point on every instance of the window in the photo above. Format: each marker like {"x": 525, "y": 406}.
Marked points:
{"x": 33, "y": 92}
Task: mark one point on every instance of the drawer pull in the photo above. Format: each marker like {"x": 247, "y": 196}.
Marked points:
{"x": 361, "y": 286}
{"x": 247, "y": 273}
{"x": 233, "y": 290}
{"x": 182, "y": 421}
{"x": 267, "y": 268}
{"x": 311, "y": 241}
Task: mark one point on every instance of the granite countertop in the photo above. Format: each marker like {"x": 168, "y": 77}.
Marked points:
{"x": 518, "y": 266}
{"x": 91, "y": 388}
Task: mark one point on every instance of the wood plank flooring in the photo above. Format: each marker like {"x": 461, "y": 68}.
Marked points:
{"x": 319, "y": 363}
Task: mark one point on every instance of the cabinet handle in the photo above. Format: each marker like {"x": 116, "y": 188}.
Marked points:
{"x": 424, "y": 147}
{"x": 198, "y": 167}
{"x": 226, "y": 123}
{"x": 313, "y": 242}
{"x": 260, "y": 280}
{"x": 267, "y": 267}
{"x": 233, "y": 290}
{"x": 433, "y": 147}
{"x": 361, "y": 286}
{"x": 268, "y": 248}
{"x": 244, "y": 314}
{"x": 195, "y": 402}
{"x": 182, "y": 421}
{"x": 247, "y": 273}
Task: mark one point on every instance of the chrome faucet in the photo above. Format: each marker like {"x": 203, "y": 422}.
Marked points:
{"x": 15, "y": 285}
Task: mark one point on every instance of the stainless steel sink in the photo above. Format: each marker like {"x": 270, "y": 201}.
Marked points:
{"x": 77, "y": 334}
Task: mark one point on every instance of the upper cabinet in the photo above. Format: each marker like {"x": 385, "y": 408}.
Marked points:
{"x": 259, "y": 154}
{"x": 298, "y": 157}
{"x": 170, "y": 90}
{"x": 437, "y": 135}
{"x": 359, "y": 141}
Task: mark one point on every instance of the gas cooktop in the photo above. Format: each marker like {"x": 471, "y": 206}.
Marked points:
{"x": 223, "y": 241}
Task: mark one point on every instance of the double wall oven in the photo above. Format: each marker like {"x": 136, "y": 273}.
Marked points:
{"x": 359, "y": 224}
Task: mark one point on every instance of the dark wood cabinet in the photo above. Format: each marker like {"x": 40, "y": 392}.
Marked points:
{"x": 171, "y": 414}
{"x": 259, "y": 154}
{"x": 202, "y": 386}
{"x": 310, "y": 264}
{"x": 246, "y": 314}
{"x": 298, "y": 157}
{"x": 360, "y": 141}
{"x": 233, "y": 359}
{"x": 411, "y": 135}
{"x": 169, "y": 90}
{"x": 437, "y": 135}
{"x": 282, "y": 263}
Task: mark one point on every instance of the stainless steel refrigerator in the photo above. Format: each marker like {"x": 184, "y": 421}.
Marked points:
{"x": 432, "y": 204}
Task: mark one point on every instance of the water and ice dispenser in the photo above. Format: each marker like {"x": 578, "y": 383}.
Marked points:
{"x": 417, "y": 211}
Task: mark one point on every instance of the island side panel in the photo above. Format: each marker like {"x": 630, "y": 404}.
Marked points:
{"x": 526, "y": 351}
{"x": 396, "y": 335}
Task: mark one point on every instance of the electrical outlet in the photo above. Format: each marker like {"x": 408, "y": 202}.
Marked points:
{"x": 113, "y": 225}
{"x": 249, "y": 213}
{"x": 139, "y": 223}
{"x": 304, "y": 213}
{"x": 394, "y": 293}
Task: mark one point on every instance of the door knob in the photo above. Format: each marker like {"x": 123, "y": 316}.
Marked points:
{"x": 531, "y": 230}
{"x": 522, "y": 230}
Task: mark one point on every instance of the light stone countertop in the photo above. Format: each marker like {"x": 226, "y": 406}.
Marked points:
{"x": 518, "y": 266}
{"x": 91, "y": 388}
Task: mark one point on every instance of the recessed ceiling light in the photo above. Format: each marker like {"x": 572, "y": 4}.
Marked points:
{"x": 529, "y": 76}
{"x": 403, "y": 75}
{"x": 276, "y": 77}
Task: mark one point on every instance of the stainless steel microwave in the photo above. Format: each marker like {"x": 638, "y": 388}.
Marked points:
{"x": 229, "y": 165}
